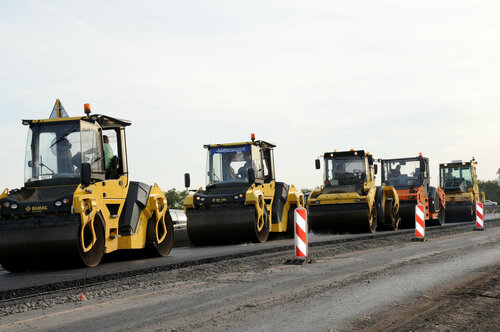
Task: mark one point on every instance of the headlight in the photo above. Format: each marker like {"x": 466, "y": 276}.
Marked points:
{"x": 6, "y": 204}
{"x": 13, "y": 206}
{"x": 58, "y": 203}
{"x": 236, "y": 196}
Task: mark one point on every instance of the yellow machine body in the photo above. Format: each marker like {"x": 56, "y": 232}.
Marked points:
{"x": 77, "y": 203}
{"x": 95, "y": 199}
{"x": 458, "y": 180}
{"x": 240, "y": 205}
{"x": 349, "y": 200}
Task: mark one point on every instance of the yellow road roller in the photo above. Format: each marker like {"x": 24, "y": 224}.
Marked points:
{"x": 77, "y": 203}
{"x": 349, "y": 201}
{"x": 242, "y": 201}
{"x": 459, "y": 182}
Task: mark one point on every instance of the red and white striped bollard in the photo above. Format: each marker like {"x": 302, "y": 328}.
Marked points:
{"x": 300, "y": 218}
{"x": 419, "y": 222}
{"x": 479, "y": 217}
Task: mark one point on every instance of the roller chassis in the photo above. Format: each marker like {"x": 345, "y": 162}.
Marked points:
{"x": 222, "y": 218}
{"x": 462, "y": 194}
{"x": 240, "y": 204}
{"x": 413, "y": 187}
{"x": 349, "y": 201}
{"x": 83, "y": 233}
{"x": 72, "y": 217}
{"x": 353, "y": 213}
{"x": 434, "y": 212}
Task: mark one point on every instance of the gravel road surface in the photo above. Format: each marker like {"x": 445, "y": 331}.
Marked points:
{"x": 354, "y": 285}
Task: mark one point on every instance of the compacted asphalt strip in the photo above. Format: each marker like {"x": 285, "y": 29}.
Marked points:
{"x": 26, "y": 283}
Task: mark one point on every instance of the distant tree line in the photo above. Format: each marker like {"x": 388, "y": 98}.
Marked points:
{"x": 491, "y": 189}
{"x": 175, "y": 198}
{"x": 306, "y": 190}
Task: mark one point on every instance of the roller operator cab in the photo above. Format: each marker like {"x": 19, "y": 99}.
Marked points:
{"x": 411, "y": 178}
{"x": 349, "y": 200}
{"x": 77, "y": 202}
{"x": 242, "y": 201}
{"x": 459, "y": 181}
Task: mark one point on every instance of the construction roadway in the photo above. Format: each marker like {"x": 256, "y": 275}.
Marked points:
{"x": 352, "y": 279}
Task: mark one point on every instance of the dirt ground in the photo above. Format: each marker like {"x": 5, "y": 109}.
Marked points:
{"x": 349, "y": 286}
{"x": 471, "y": 305}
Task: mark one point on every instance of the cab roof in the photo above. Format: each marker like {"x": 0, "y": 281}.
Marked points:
{"x": 346, "y": 153}
{"x": 406, "y": 159}
{"x": 103, "y": 120}
{"x": 259, "y": 143}
{"x": 458, "y": 164}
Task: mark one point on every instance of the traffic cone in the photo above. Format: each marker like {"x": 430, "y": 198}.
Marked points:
{"x": 82, "y": 297}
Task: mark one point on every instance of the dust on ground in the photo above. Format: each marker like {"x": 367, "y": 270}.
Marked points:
{"x": 472, "y": 304}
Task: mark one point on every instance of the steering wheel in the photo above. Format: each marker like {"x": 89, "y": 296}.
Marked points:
{"x": 241, "y": 173}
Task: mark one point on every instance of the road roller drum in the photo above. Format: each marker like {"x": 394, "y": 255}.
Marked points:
{"x": 339, "y": 219}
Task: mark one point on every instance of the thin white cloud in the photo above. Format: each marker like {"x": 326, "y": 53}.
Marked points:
{"x": 60, "y": 13}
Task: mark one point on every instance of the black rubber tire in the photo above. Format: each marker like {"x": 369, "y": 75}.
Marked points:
{"x": 94, "y": 256}
{"x": 262, "y": 235}
{"x": 373, "y": 227}
{"x": 442, "y": 216}
{"x": 163, "y": 248}
{"x": 390, "y": 218}
{"x": 290, "y": 223}
{"x": 433, "y": 198}
{"x": 379, "y": 195}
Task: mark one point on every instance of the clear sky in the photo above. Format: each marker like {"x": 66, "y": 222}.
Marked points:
{"x": 391, "y": 77}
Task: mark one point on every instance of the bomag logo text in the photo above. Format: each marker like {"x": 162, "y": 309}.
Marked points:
{"x": 219, "y": 200}
{"x": 38, "y": 208}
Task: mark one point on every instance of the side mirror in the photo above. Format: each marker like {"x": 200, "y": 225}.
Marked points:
{"x": 375, "y": 168}
{"x": 251, "y": 175}
{"x": 317, "y": 164}
{"x": 86, "y": 174}
{"x": 187, "y": 180}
